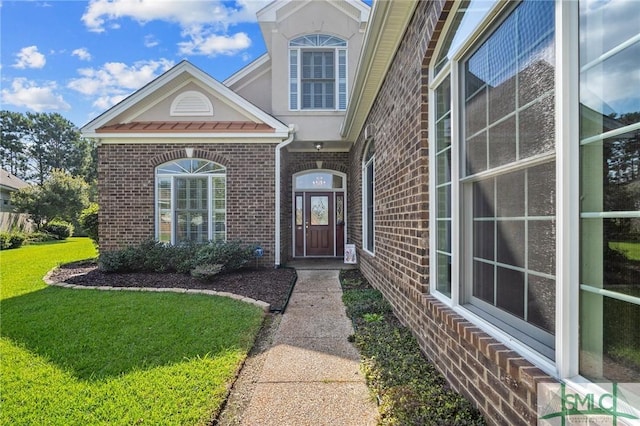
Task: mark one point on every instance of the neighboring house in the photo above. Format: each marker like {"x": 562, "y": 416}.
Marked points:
{"x": 482, "y": 156}
{"x": 10, "y": 219}
{"x": 9, "y": 183}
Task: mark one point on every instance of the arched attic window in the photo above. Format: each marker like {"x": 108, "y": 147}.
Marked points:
{"x": 191, "y": 103}
{"x": 191, "y": 201}
{"x": 314, "y": 82}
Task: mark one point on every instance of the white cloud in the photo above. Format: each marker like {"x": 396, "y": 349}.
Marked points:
{"x": 185, "y": 13}
{"x": 29, "y": 57}
{"x": 150, "y": 41}
{"x": 106, "y": 102}
{"x": 27, "y": 94}
{"x": 82, "y": 54}
{"x": 212, "y": 45}
{"x": 204, "y": 23}
{"x": 115, "y": 80}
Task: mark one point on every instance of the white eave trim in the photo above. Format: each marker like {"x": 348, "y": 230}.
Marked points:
{"x": 389, "y": 20}
{"x": 150, "y": 135}
{"x": 244, "y": 72}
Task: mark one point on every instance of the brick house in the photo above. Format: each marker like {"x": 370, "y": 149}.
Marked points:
{"x": 474, "y": 152}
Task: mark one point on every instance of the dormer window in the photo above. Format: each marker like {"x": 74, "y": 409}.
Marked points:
{"x": 318, "y": 73}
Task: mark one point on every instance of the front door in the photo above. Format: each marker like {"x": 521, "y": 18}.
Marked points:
{"x": 319, "y": 225}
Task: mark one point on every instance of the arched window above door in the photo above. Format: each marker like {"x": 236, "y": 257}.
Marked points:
{"x": 319, "y": 180}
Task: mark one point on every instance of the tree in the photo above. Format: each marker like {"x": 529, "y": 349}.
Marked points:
{"x": 61, "y": 196}
{"x": 55, "y": 143}
{"x": 13, "y": 152}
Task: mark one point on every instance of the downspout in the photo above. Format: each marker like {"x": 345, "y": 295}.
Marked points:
{"x": 278, "y": 162}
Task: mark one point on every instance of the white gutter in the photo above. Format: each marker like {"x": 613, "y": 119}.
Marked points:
{"x": 292, "y": 130}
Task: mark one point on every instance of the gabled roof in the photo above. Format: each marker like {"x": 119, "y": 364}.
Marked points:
{"x": 269, "y": 12}
{"x": 162, "y": 86}
{"x": 10, "y": 181}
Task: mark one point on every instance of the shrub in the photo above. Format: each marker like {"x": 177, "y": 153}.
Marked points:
{"x": 40, "y": 237}
{"x": 89, "y": 221}
{"x": 11, "y": 240}
{"x": 60, "y": 228}
{"x": 154, "y": 256}
{"x": 409, "y": 389}
{"x": 206, "y": 272}
{"x": 232, "y": 255}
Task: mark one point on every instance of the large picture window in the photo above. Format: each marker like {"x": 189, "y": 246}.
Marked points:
{"x": 318, "y": 73}
{"x": 190, "y": 201}
{"x": 495, "y": 164}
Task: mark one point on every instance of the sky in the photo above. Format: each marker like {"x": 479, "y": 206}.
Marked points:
{"x": 78, "y": 58}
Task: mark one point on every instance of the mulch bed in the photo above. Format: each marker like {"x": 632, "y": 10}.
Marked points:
{"x": 268, "y": 285}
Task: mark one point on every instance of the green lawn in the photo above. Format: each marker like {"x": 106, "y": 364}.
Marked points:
{"x": 631, "y": 250}
{"x": 90, "y": 357}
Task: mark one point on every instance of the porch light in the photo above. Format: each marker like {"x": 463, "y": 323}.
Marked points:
{"x": 319, "y": 145}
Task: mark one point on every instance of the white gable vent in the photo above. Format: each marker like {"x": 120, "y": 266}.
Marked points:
{"x": 191, "y": 103}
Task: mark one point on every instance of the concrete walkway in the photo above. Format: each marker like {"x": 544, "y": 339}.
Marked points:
{"x": 311, "y": 372}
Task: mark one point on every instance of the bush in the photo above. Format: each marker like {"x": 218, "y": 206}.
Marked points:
{"x": 60, "y": 228}
{"x": 408, "y": 387}
{"x": 154, "y": 256}
{"x": 89, "y": 221}
{"x": 11, "y": 240}
{"x": 231, "y": 255}
{"x": 40, "y": 237}
{"x": 206, "y": 272}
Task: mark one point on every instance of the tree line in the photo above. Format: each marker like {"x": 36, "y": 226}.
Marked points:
{"x": 33, "y": 145}
{"x": 48, "y": 151}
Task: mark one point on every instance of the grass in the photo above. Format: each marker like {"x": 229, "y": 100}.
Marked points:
{"x": 631, "y": 250}
{"x": 79, "y": 357}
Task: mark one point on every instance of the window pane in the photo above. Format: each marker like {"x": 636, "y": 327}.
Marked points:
{"x": 597, "y": 36}
{"x": 444, "y": 235}
{"x": 476, "y": 154}
{"x": 444, "y": 275}
{"x": 541, "y": 306}
{"x": 483, "y": 283}
{"x": 483, "y": 239}
{"x": 510, "y": 194}
{"x": 611, "y": 170}
{"x": 537, "y": 128}
{"x": 483, "y": 198}
{"x": 542, "y": 244}
{"x": 319, "y": 210}
{"x": 609, "y": 339}
{"x": 299, "y": 210}
{"x": 613, "y": 88}
{"x": 541, "y": 190}
{"x": 510, "y": 291}
{"x": 510, "y": 239}
{"x": 502, "y": 143}
{"x": 164, "y": 210}
{"x": 443, "y": 160}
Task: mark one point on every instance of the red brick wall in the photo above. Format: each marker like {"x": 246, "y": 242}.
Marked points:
{"x": 500, "y": 382}
{"x": 126, "y": 176}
